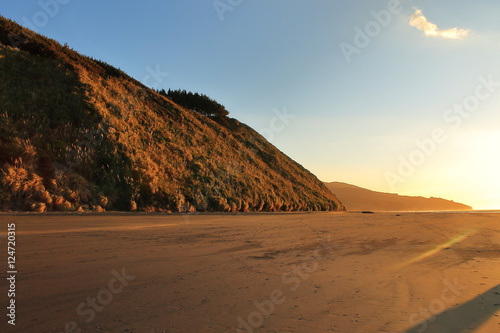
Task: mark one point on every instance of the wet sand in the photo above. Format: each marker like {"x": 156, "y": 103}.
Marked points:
{"x": 267, "y": 272}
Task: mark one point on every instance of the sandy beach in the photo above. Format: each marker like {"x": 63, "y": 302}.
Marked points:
{"x": 263, "y": 272}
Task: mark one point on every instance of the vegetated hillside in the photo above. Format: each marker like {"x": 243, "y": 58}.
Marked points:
{"x": 357, "y": 198}
{"x": 78, "y": 134}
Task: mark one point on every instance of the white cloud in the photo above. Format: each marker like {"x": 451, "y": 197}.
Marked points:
{"x": 419, "y": 21}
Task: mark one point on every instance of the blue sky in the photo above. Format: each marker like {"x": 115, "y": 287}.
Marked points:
{"x": 362, "y": 121}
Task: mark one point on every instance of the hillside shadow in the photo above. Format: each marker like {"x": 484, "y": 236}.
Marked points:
{"x": 464, "y": 318}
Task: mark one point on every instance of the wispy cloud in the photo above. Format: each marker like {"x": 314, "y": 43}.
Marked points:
{"x": 419, "y": 21}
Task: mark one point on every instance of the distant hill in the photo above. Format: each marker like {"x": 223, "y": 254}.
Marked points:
{"x": 77, "y": 134}
{"x": 357, "y": 198}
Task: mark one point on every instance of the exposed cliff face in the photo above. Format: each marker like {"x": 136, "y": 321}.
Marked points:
{"x": 78, "y": 134}
{"x": 357, "y": 198}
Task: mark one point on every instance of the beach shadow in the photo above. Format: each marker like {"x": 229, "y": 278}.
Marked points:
{"x": 464, "y": 318}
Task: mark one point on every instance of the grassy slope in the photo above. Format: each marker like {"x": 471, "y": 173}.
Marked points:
{"x": 80, "y": 134}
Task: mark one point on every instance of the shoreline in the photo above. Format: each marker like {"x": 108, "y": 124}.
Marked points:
{"x": 128, "y": 213}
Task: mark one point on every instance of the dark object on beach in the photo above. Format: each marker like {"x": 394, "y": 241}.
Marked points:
{"x": 367, "y": 212}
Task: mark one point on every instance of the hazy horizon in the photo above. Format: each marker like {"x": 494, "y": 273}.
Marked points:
{"x": 392, "y": 96}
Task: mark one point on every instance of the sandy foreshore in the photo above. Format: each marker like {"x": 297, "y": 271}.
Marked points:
{"x": 268, "y": 272}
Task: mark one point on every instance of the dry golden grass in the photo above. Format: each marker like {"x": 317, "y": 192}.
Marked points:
{"x": 93, "y": 138}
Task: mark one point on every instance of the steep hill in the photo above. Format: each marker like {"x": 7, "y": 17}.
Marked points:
{"x": 357, "y": 198}
{"x": 79, "y": 134}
